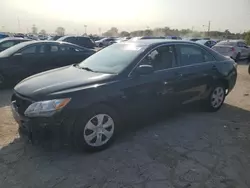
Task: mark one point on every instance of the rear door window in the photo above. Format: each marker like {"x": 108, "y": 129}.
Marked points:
{"x": 69, "y": 49}
{"x": 189, "y": 55}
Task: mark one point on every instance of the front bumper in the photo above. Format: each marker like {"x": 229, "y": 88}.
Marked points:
{"x": 58, "y": 127}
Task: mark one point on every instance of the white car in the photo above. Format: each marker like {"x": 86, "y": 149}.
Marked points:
{"x": 236, "y": 49}
{"x": 104, "y": 42}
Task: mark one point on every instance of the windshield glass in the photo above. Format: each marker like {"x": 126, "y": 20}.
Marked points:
{"x": 13, "y": 49}
{"x": 114, "y": 58}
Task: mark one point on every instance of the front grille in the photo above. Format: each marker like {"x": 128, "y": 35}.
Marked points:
{"x": 21, "y": 103}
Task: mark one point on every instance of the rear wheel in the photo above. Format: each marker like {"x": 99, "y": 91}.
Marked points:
{"x": 1, "y": 81}
{"x": 100, "y": 45}
{"x": 237, "y": 58}
{"x": 97, "y": 130}
{"x": 216, "y": 98}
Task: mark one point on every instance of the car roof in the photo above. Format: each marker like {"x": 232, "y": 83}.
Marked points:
{"x": 150, "y": 42}
{"x": 13, "y": 38}
{"x": 64, "y": 37}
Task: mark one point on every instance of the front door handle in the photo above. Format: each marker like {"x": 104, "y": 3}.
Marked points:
{"x": 178, "y": 75}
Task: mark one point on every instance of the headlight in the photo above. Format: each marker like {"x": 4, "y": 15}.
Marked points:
{"x": 46, "y": 108}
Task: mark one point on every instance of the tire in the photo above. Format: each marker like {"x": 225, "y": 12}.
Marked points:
{"x": 237, "y": 58}
{"x": 2, "y": 83}
{"x": 216, "y": 98}
{"x": 92, "y": 135}
{"x": 100, "y": 45}
{"x": 249, "y": 69}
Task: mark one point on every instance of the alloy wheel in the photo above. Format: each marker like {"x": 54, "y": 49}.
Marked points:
{"x": 217, "y": 97}
{"x": 99, "y": 130}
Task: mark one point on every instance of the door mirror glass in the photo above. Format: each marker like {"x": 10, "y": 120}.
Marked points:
{"x": 144, "y": 69}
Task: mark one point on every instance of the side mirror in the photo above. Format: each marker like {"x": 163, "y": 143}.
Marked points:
{"x": 17, "y": 55}
{"x": 144, "y": 69}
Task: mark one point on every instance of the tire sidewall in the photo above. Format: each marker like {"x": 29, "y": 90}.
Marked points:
{"x": 209, "y": 105}
{"x": 2, "y": 79}
{"x": 237, "y": 58}
{"x": 81, "y": 122}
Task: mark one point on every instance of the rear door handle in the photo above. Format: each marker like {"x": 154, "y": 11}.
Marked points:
{"x": 214, "y": 67}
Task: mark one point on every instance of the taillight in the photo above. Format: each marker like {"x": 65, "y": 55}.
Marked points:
{"x": 233, "y": 49}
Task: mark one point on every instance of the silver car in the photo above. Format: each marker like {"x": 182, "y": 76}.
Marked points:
{"x": 236, "y": 49}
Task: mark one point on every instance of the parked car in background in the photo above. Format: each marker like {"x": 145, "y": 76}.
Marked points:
{"x": 173, "y": 37}
{"x": 19, "y": 35}
{"x": 145, "y": 38}
{"x": 87, "y": 102}
{"x": 2, "y": 35}
{"x": 79, "y": 40}
{"x": 54, "y": 37}
{"x": 10, "y": 41}
{"x": 105, "y": 42}
{"x": 236, "y": 49}
{"x": 208, "y": 43}
{"x": 28, "y": 58}
{"x": 194, "y": 39}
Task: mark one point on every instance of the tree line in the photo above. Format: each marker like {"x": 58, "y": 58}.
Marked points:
{"x": 165, "y": 31}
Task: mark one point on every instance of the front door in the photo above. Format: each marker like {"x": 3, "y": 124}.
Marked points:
{"x": 152, "y": 92}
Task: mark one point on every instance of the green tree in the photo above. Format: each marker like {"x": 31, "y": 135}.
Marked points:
{"x": 124, "y": 34}
{"x": 42, "y": 32}
{"x": 60, "y": 31}
{"x": 247, "y": 37}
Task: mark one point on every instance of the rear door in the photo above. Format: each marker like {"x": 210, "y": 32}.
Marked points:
{"x": 195, "y": 72}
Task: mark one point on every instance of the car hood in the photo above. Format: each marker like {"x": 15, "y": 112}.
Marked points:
{"x": 39, "y": 86}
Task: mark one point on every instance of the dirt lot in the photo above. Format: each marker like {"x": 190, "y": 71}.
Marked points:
{"x": 194, "y": 149}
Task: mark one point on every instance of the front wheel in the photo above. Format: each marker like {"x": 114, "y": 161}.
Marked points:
{"x": 216, "y": 98}
{"x": 97, "y": 130}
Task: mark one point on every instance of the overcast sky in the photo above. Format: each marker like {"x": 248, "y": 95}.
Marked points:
{"x": 123, "y": 14}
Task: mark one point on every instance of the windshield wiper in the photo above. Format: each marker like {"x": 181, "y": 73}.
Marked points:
{"x": 85, "y": 68}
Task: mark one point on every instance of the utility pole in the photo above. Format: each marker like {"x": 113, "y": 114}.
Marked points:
{"x": 100, "y": 31}
{"x": 208, "y": 29}
{"x": 18, "y": 23}
{"x": 85, "y": 27}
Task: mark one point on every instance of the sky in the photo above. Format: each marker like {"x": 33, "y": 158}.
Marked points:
{"x": 129, "y": 15}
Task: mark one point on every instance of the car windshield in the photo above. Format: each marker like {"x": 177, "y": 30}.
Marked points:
{"x": 13, "y": 49}
{"x": 114, "y": 58}
{"x": 226, "y": 43}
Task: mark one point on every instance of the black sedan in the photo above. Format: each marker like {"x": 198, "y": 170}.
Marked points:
{"x": 88, "y": 101}
{"x": 10, "y": 41}
{"x": 28, "y": 58}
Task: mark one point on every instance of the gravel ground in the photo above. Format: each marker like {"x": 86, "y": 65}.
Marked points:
{"x": 187, "y": 150}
